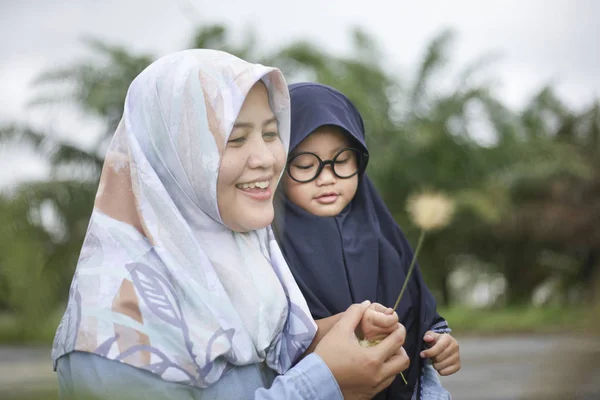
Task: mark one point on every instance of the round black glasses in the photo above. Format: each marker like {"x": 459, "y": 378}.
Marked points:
{"x": 306, "y": 167}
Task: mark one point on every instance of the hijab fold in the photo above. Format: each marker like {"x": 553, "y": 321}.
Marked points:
{"x": 161, "y": 284}
{"x": 360, "y": 254}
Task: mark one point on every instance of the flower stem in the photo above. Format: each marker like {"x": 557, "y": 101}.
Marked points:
{"x": 412, "y": 265}
{"x": 403, "y": 378}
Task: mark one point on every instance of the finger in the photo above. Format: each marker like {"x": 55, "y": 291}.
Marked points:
{"x": 379, "y": 333}
{"x": 431, "y": 352}
{"x": 396, "y": 364}
{"x": 381, "y": 308}
{"x": 368, "y": 316}
{"x": 384, "y": 384}
{"x": 450, "y": 370}
{"x": 366, "y": 327}
{"x": 452, "y": 360}
{"x": 390, "y": 345}
{"x": 376, "y": 336}
{"x": 376, "y": 326}
{"x": 436, "y": 349}
{"x": 430, "y": 336}
{"x": 449, "y": 351}
{"x": 382, "y": 320}
{"x": 448, "y": 366}
{"x": 352, "y": 316}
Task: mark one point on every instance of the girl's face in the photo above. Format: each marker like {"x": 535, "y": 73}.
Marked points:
{"x": 251, "y": 165}
{"x": 328, "y": 194}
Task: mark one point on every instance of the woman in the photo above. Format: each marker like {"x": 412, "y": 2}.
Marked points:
{"x": 180, "y": 290}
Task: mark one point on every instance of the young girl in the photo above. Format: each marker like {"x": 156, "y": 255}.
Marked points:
{"x": 341, "y": 242}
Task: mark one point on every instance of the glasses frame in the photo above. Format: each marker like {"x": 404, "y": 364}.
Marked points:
{"x": 362, "y": 164}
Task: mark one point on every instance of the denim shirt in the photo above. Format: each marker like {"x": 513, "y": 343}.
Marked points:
{"x": 87, "y": 376}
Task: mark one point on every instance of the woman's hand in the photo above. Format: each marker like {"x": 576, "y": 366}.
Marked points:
{"x": 362, "y": 372}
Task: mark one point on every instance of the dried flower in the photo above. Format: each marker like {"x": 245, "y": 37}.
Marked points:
{"x": 368, "y": 343}
{"x": 430, "y": 211}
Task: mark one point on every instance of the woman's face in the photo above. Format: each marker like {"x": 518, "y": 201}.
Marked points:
{"x": 251, "y": 165}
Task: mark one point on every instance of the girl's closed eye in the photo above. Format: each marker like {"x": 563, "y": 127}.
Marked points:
{"x": 303, "y": 166}
{"x": 303, "y": 162}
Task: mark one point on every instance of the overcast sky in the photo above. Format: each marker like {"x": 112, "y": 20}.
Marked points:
{"x": 539, "y": 41}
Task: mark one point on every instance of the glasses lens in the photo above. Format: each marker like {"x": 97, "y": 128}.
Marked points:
{"x": 304, "y": 167}
{"x": 346, "y": 163}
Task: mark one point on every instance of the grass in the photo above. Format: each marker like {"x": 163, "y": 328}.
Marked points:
{"x": 30, "y": 395}
{"x": 13, "y": 331}
{"x": 463, "y": 321}
{"x": 485, "y": 322}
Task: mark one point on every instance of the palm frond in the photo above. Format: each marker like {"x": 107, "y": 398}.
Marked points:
{"x": 54, "y": 151}
{"x": 19, "y": 135}
{"x": 68, "y": 154}
{"x": 435, "y": 58}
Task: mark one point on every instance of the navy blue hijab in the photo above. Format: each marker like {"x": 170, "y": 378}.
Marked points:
{"x": 360, "y": 254}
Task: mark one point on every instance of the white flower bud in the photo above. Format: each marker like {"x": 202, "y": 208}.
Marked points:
{"x": 430, "y": 211}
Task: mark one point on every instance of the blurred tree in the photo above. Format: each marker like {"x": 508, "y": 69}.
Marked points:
{"x": 556, "y": 198}
{"x": 432, "y": 144}
{"x": 47, "y": 220}
{"x": 527, "y": 183}
{"x": 97, "y": 85}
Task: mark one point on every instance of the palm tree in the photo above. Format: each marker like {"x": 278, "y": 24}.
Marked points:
{"x": 556, "y": 198}
{"x": 419, "y": 137}
{"x": 47, "y": 220}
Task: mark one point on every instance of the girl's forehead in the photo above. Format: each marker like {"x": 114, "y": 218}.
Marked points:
{"x": 324, "y": 137}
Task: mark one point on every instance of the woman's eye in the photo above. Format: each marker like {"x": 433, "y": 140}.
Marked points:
{"x": 271, "y": 135}
{"x": 345, "y": 160}
{"x": 238, "y": 140}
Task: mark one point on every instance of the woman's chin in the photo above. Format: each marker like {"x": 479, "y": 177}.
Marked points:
{"x": 255, "y": 222}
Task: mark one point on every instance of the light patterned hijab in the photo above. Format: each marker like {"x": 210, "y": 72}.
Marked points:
{"x": 161, "y": 284}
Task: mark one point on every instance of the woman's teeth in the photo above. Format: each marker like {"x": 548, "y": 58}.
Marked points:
{"x": 252, "y": 185}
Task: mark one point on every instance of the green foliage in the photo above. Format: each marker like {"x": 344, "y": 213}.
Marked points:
{"x": 531, "y": 190}
{"x": 98, "y": 85}
{"x": 470, "y": 321}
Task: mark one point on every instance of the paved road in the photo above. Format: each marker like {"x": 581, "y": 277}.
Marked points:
{"x": 552, "y": 367}
{"x": 26, "y": 370}
{"x": 527, "y": 368}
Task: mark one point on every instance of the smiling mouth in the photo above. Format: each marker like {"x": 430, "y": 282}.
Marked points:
{"x": 257, "y": 190}
{"x": 252, "y": 185}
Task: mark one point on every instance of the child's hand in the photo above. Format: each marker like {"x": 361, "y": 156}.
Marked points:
{"x": 443, "y": 352}
{"x": 377, "y": 322}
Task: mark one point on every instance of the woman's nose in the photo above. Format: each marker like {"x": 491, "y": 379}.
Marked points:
{"x": 261, "y": 155}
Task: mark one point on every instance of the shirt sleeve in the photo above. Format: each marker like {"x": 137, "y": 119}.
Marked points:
{"x": 440, "y": 325}
{"x": 431, "y": 387}
{"x": 309, "y": 379}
